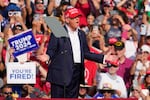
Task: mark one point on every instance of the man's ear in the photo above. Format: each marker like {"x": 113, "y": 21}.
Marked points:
{"x": 67, "y": 20}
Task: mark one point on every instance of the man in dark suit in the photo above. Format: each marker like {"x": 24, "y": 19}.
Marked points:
{"x": 66, "y": 55}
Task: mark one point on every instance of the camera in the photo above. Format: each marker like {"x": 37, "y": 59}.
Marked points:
{"x": 36, "y": 17}
{"x": 95, "y": 28}
{"x": 14, "y": 1}
{"x": 108, "y": 65}
{"x": 112, "y": 63}
{"x": 143, "y": 28}
{"x": 14, "y": 13}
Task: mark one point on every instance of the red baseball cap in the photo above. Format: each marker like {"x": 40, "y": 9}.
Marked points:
{"x": 148, "y": 72}
{"x": 112, "y": 40}
{"x": 72, "y": 13}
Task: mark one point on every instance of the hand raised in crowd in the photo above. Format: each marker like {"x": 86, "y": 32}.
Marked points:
{"x": 11, "y": 51}
{"x": 12, "y": 20}
{"x": 19, "y": 19}
{"x": 21, "y": 3}
{"x": 142, "y": 72}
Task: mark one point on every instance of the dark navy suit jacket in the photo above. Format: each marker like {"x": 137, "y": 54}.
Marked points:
{"x": 60, "y": 69}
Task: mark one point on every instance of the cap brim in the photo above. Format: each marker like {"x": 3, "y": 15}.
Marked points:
{"x": 79, "y": 15}
{"x": 119, "y": 48}
{"x": 84, "y": 86}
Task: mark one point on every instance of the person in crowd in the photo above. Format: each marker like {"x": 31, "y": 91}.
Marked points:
{"x": 106, "y": 92}
{"x": 111, "y": 76}
{"x": 60, "y": 11}
{"x": 83, "y": 92}
{"x": 8, "y": 93}
{"x": 90, "y": 22}
{"x": 30, "y": 91}
{"x": 90, "y": 66}
{"x": 136, "y": 23}
{"x": 39, "y": 25}
{"x": 37, "y": 9}
{"x": 130, "y": 39}
{"x": 21, "y": 5}
{"x": 114, "y": 28}
{"x": 147, "y": 42}
{"x": 145, "y": 26}
{"x": 148, "y": 96}
{"x": 3, "y": 5}
{"x": 7, "y": 90}
{"x": 42, "y": 40}
{"x": 86, "y": 6}
{"x": 128, "y": 7}
{"x": 146, "y": 83}
{"x": 137, "y": 93}
{"x": 17, "y": 28}
{"x": 66, "y": 79}
{"x": 141, "y": 65}
{"x": 125, "y": 64}
{"x": 96, "y": 38}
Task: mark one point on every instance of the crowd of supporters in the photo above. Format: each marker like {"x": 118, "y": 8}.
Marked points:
{"x": 119, "y": 26}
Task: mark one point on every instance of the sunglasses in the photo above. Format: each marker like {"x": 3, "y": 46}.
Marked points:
{"x": 14, "y": 13}
{"x": 18, "y": 28}
{"x": 8, "y": 93}
{"x": 106, "y": 92}
{"x": 39, "y": 2}
{"x": 145, "y": 52}
{"x": 111, "y": 65}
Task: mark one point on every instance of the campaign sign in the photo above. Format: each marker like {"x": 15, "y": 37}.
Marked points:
{"x": 18, "y": 73}
{"x": 23, "y": 42}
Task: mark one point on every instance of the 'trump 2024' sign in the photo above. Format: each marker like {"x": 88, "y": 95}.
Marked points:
{"x": 23, "y": 42}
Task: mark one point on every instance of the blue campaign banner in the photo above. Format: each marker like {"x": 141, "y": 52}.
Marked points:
{"x": 23, "y": 42}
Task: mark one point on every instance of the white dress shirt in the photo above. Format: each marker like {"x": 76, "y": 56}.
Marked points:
{"x": 75, "y": 43}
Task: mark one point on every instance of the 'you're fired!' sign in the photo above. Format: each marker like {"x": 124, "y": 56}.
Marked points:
{"x": 21, "y": 73}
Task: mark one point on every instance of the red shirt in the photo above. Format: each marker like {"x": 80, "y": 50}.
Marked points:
{"x": 85, "y": 10}
{"x": 129, "y": 14}
{"x": 90, "y": 68}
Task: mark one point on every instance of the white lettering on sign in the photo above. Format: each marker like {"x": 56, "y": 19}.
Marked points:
{"x": 22, "y": 42}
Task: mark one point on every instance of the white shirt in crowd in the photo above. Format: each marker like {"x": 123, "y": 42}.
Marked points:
{"x": 116, "y": 82}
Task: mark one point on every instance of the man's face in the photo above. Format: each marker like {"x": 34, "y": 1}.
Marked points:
{"x": 73, "y": 22}
{"x": 107, "y": 94}
{"x": 113, "y": 70}
{"x": 39, "y": 4}
{"x": 4, "y": 3}
{"x": 18, "y": 29}
{"x": 148, "y": 41}
{"x": 90, "y": 19}
{"x": 120, "y": 53}
{"x": 7, "y": 92}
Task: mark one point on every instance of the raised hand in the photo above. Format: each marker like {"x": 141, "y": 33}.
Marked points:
{"x": 44, "y": 57}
